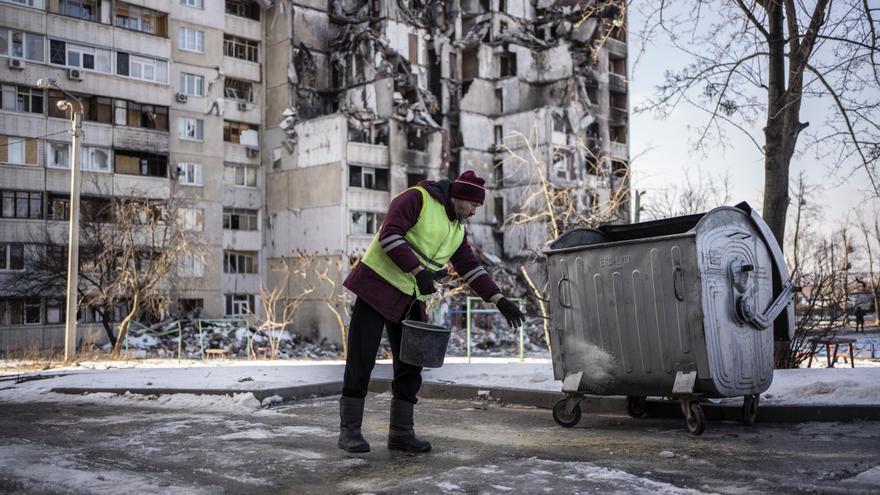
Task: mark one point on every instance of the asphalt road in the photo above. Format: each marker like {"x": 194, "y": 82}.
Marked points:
{"x": 77, "y": 447}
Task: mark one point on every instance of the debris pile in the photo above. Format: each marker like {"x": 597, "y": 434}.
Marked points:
{"x": 233, "y": 336}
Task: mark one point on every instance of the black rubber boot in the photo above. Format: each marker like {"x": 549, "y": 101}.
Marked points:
{"x": 401, "y": 435}
{"x": 351, "y": 412}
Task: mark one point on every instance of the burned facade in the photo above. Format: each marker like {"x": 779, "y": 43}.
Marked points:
{"x": 376, "y": 95}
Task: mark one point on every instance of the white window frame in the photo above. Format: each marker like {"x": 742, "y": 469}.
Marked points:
{"x": 371, "y": 223}
{"x": 232, "y": 175}
{"x": 25, "y": 38}
{"x": 191, "y": 40}
{"x": 36, "y": 4}
{"x": 15, "y": 146}
{"x": 241, "y": 261}
{"x": 196, "y": 4}
{"x": 95, "y": 53}
{"x": 191, "y": 219}
{"x": 50, "y": 155}
{"x": 88, "y": 160}
{"x": 192, "y": 84}
{"x": 189, "y": 174}
{"x": 190, "y": 265}
{"x": 183, "y": 129}
{"x": 236, "y": 302}
{"x": 144, "y": 64}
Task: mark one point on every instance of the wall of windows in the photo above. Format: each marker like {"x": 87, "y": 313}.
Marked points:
{"x": 20, "y": 44}
{"x": 368, "y": 177}
{"x": 21, "y": 204}
{"x": 141, "y": 19}
{"x": 140, "y": 163}
{"x": 114, "y": 111}
{"x": 241, "y": 48}
{"x": 240, "y": 219}
{"x": 21, "y": 99}
{"x": 143, "y": 68}
{"x": 18, "y": 150}
{"x": 80, "y": 56}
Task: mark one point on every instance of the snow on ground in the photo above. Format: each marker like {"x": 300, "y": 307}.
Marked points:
{"x": 816, "y": 386}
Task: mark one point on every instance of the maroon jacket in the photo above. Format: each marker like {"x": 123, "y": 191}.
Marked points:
{"x": 403, "y": 213}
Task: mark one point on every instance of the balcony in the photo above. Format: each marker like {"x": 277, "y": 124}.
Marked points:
{"x": 138, "y": 185}
{"x": 244, "y": 27}
{"x": 368, "y": 154}
{"x": 616, "y": 48}
{"x": 619, "y": 150}
{"x": 618, "y": 116}
{"x": 136, "y": 138}
{"x": 616, "y": 83}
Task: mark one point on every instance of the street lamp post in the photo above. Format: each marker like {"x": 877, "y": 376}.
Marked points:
{"x": 75, "y": 106}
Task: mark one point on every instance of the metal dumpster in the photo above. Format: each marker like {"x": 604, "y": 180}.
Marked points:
{"x": 685, "y": 308}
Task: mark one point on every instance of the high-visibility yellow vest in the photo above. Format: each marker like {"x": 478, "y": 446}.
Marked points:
{"x": 434, "y": 239}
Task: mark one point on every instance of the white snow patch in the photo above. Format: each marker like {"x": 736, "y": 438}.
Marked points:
{"x": 871, "y": 476}
{"x": 446, "y": 486}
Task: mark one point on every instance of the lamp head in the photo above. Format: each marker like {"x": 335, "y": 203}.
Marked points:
{"x": 46, "y": 83}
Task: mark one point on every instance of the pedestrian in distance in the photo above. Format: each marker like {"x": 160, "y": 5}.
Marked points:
{"x": 422, "y": 232}
{"x": 860, "y": 319}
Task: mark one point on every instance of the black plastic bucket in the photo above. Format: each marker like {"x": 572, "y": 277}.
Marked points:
{"x": 423, "y": 344}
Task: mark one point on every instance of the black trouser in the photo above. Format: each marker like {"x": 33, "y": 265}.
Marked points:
{"x": 364, "y": 335}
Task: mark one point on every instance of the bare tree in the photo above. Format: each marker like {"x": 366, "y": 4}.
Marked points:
{"x": 872, "y": 238}
{"x": 696, "y": 195}
{"x": 757, "y": 62}
{"x": 130, "y": 249}
{"x": 278, "y": 312}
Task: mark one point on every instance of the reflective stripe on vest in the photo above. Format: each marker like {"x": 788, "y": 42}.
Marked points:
{"x": 433, "y": 239}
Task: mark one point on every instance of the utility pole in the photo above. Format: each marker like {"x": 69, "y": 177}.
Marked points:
{"x": 75, "y": 106}
{"x": 637, "y": 208}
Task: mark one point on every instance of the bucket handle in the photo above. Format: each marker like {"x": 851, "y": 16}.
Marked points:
{"x": 678, "y": 283}
{"x": 559, "y": 290}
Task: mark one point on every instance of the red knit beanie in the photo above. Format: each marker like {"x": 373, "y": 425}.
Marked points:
{"x": 469, "y": 187}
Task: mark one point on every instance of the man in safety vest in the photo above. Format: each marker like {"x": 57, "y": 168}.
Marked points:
{"x": 422, "y": 232}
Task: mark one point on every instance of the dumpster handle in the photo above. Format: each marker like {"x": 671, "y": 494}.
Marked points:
{"x": 678, "y": 282}
{"x": 559, "y": 290}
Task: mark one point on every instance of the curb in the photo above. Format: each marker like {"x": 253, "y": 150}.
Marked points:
{"x": 541, "y": 399}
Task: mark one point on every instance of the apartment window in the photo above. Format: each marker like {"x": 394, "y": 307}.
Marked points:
{"x": 241, "y": 48}
{"x": 55, "y": 309}
{"x": 365, "y": 222}
{"x": 240, "y": 175}
{"x": 192, "y": 129}
{"x": 240, "y": 219}
{"x": 141, "y": 19}
{"x": 239, "y": 304}
{"x": 18, "y": 150}
{"x": 414, "y": 179}
{"x": 95, "y": 159}
{"x": 22, "y": 99}
{"x": 189, "y": 174}
{"x": 146, "y": 69}
{"x": 190, "y": 265}
{"x": 38, "y": 4}
{"x": 33, "y": 309}
{"x": 79, "y": 56}
{"x": 21, "y": 204}
{"x": 97, "y": 209}
{"x": 238, "y": 90}
{"x": 199, "y": 4}
{"x": 243, "y": 8}
{"x": 191, "y": 219}
{"x": 84, "y": 9}
{"x": 191, "y": 40}
{"x": 192, "y": 85}
{"x": 11, "y": 257}
{"x": 18, "y": 44}
{"x": 140, "y": 163}
{"x": 59, "y": 207}
{"x": 58, "y": 155}
{"x": 191, "y": 305}
{"x": 416, "y": 139}
{"x": 232, "y": 130}
{"x": 368, "y": 177}
{"x": 239, "y": 262}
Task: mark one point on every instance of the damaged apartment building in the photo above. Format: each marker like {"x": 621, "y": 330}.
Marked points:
{"x": 287, "y": 126}
{"x": 367, "y": 97}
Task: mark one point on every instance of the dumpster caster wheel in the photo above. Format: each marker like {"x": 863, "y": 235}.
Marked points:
{"x": 750, "y": 409}
{"x": 696, "y": 420}
{"x": 566, "y": 419}
{"x": 635, "y": 405}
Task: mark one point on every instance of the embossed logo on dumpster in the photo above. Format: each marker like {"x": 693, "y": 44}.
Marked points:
{"x": 612, "y": 261}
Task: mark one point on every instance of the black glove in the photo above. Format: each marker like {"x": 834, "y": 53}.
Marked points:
{"x": 514, "y": 316}
{"x": 425, "y": 281}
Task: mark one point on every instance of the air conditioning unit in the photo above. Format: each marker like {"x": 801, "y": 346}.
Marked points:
{"x": 242, "y": 106}
{"x": 16, "y": 63}
{"x": 75, "y": 74}
{"x": 252, "y": 152}
{"x": 181, "y": 97}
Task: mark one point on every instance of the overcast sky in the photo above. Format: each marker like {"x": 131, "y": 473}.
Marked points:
{"x": 662, "y": 153}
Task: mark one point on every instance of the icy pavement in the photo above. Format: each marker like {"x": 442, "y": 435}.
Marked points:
{"x": 816, "y": 386}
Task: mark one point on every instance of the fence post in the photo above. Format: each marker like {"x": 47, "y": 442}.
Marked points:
{"x": 468, "y": 341}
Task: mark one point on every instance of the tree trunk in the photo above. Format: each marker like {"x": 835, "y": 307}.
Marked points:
{"x": 123, "y": 327}
{"x": 775, "y": 165}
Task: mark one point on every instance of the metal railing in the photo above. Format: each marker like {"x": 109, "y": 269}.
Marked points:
{"x": 470, "y": 311}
